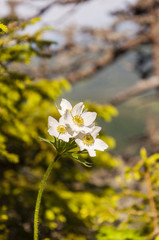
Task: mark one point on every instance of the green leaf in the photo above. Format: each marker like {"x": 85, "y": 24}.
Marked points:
{"x": 81, "y": 160}
{"x": 47, "y": 140}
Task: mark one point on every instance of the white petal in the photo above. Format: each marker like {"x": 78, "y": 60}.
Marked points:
{"x": 67, "y": 117}
{"x": 80, "y": 135}
{"x": 74, "y": 127}
{"x": 60, "y": 111}
{"x": 80, "y": 144}
{"x": 65, "y": 105}
{"x": 62, "y": 121}
{"x": 92, "y": 125}
{"x": 91, "y": 152}
{"x": 65, "y": 137}
{"x": 77, "y": 109}
{"x": 52, "y": 122}
{"x": 95, "y": 131}
{"x": 100, "y": 145}
{"x": 70, "y": 131}
{"x": 53, "y": 131}
{"x": 85, "y": 130}
{"x": 89, "y": 117}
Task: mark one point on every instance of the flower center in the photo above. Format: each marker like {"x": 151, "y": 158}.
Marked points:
{"x": 88, "y": 140}
{"x": 61, "y": 129}
{"x": 78, "y": 120}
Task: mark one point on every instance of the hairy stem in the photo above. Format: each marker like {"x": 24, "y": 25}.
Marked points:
{"x": 38, "y": 201}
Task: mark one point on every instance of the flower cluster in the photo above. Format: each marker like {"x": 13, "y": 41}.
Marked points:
{"x": 78, "y": 126}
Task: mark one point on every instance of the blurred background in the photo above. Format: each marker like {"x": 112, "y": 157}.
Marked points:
{"x": 102, "y": 52}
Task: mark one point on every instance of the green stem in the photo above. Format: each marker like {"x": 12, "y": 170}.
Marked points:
{"x": 38, "y": 201}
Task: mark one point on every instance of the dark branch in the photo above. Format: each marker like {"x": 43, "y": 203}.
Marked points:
{"x": 140, "y": 87}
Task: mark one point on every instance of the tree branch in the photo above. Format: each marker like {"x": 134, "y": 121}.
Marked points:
{"x": 108, "y": 56}
{"x": 138, "y": 88}
{"x": 58, "y": 2}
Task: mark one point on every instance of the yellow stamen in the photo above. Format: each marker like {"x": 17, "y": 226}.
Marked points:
{"x": 88, "y": 140}
{"x": 78, "y": 120}
{"x": 61, "y": 129}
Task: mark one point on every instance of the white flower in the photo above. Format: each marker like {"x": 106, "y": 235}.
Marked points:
{"x": 79, "y": 125}
{"x": 65, "y": 105}
{"x": 79, "y": 121}
{"x": 89, "y": 141}
{"x": 58, "y": 129}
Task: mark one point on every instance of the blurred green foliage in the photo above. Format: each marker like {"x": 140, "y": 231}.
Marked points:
{"x": 111, "y": 233}
{"x": 102, "y": 202}
{"x": 138, "y": 196}
{"x": 3, "y": 28}
{"x": 69, "y": 205}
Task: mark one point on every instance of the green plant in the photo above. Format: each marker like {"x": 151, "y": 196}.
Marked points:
{"x": 25, "y": 103}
